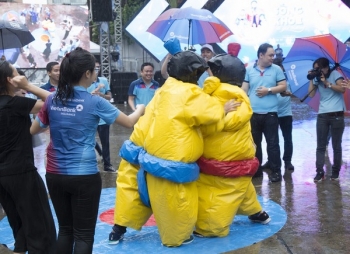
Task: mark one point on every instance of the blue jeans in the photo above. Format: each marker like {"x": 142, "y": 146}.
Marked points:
{"x": 103, "y": 133}
{"x": 286, "y": 125}
{"x": 336, "y": 125}
{"x": 267, "y": 124}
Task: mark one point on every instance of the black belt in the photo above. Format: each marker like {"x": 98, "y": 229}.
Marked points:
{"x": 268, "y": 113}
{"x": 338, "y": 113}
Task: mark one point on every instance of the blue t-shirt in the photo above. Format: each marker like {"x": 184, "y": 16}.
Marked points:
{"x": 267, "y": 78}
{"x": 143, "y": 93}
{"x": 201, "y": 79}
{"x": 71, "y": 150}
{"x": 284, "y": 106}
{"x": 103, "y": 90}
{"x": 49, "y": 87}
{"x": 330, "y": 101}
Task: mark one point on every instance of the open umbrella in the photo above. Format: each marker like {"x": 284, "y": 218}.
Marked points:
{"x": 189, "y": 25}
{"x": 14, "y": 35}
{"x": 301, "y": 57}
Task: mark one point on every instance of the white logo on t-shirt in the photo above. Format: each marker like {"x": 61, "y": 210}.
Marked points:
{"x": 79, "y": 107}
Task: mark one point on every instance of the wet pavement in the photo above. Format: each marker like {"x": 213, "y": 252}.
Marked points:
{"x": 318, "y": 214}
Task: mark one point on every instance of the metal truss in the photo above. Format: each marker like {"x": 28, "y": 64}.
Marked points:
{"x": 118, "y": 36}
{"x": 105, "y": 51}
{"x": 106, "y": 46}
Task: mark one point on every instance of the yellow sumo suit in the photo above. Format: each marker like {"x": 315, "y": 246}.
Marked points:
{"x": 164, "y": 146}
{"x": 228, "y": 163}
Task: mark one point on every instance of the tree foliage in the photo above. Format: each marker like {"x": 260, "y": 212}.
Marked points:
{"x": 173, "y": 3}
{"x": 129, "y": 11}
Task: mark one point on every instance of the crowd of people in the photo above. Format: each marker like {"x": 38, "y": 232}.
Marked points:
{"x": 170, "y": 166}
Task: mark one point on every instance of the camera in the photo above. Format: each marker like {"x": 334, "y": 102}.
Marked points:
{"x": 315, "y": 73}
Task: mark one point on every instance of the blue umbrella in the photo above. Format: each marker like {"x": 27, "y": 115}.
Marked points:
{"x": 11, "y": 55}
{"x": 301, "y": 57}
{"x": 189, "y": 25}
{"x": 14, "y": 35}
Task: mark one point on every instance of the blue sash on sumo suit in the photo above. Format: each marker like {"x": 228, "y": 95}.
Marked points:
{"x": 177, "y": 171}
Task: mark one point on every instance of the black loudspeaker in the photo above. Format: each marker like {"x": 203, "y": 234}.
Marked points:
{"x": 102, "y": 10}
{"x": 120, "y": 82}
{"x": 159, "y": 78}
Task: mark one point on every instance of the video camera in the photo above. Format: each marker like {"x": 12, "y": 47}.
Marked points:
{"x": 315, "y": 73}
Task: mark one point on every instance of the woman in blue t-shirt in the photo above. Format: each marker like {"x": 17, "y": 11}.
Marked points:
{"x": 73, "y": 179}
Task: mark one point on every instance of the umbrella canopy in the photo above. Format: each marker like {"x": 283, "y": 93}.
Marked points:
{"x": 301, "y": 57}
{"x": 14, "y": 35}
{"x": 189, "y": 25}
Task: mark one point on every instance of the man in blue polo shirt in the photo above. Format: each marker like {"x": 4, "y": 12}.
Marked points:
{"x": 141, "y": 91}
{"x": 53, "y": 71}
{"x": 262, "y": 82}
{"x": 101, "y": 88}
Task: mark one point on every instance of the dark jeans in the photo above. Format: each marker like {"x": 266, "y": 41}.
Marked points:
{"x": 25, "y": 201}
{"x": 103, "y": 133}
{"x": 76, "y": 200}
{"x": 329, "y": 136}
{"x": 286, "y": 125}
{"x": 336, "y": 125}
{"x": 267, "y": 124}
{"x": 98, "y": 149}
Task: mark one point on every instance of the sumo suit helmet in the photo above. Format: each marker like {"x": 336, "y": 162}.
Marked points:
{"x": 187, "y": 66}
{"x": 229, "y": 69}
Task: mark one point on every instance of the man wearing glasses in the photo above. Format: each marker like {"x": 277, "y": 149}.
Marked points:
{"x": 101, "y": 88}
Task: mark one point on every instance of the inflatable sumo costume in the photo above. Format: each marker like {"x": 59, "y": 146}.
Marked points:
{"x": 158, "y": 171}
{"x": 228, "y": 162}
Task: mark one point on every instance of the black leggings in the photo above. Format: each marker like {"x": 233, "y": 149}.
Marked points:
{"x": 76, "y": 201}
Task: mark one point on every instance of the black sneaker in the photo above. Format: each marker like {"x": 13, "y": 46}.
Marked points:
{"x": 260, "y": 217}
{"x": 288, "y": 165}
{"x": 335, "y": 175}
{"x": 319, "y": 176}
{"x": 196, "y": 234}
{"x": 275, "y": 177}
{"x": 265, "y": 166}
{"x": 189, "y": 240}
{"x": 117, "y": 234}
{"x": 110, "y": 169}
{"x": 258, "y": 173}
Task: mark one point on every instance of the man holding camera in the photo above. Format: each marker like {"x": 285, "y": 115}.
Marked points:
{"x": 330, "y": 114}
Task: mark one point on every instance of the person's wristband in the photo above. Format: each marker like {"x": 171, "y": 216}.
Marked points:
{"x": 329, "y": 85}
